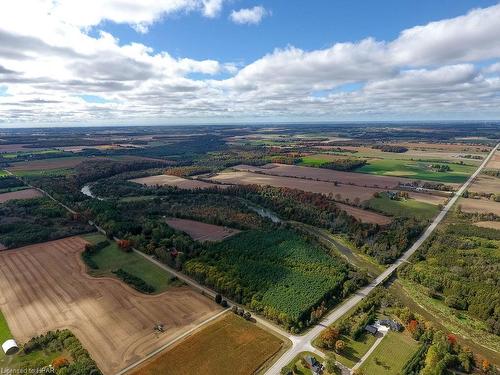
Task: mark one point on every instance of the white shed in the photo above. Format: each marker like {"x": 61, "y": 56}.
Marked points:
{"x": 10, "y": 347}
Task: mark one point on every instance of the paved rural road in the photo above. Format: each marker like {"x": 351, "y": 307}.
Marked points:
{"x": 303, "y": 343}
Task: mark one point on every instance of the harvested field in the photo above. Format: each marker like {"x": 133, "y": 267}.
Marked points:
{"x": 199, "y": 231}
{"x": 364, "y": 215}
{"x": 229, "y": 346}
{"x": 249, "y": 178}
{"x": 168, "y": 180}
{"x": 54, "y": 163}
{"x": 479, "y": 205}
{"x": 329, "y": 175}
{"x": 494, "y": 162}
{"x": 16, "y": 147}
{"x": 428, "y": 198}
{"x": 46, "y": 287}
{"x": 488, "y": 224}
{"x": 486, "y": 184}
{"x": 457, "y": 147}
{"x": 20, "y": 194}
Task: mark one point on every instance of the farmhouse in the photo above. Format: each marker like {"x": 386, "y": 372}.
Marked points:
{"x": 10, "y": 347}
{"x": 392, "y": 324}
{"x": 313, "y": 364}
{"x": 372, "y": 329}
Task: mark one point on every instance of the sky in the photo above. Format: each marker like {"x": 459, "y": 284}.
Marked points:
{"x": 104, "y": 62}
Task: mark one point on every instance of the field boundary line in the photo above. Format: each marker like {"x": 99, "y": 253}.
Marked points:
{"x": 170, "y": 343}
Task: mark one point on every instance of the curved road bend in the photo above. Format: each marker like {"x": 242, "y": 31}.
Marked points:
{"x": 303, "y": 343}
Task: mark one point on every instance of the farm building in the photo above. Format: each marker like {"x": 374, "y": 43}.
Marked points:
{"x": 313, "y": 364}
{"x": 392, "y": 324}
{"x": 372, "y": 329}
{"x": 10, "y": 347}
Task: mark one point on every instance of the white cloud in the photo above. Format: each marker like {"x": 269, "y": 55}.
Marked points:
{"x": 49, "y": 60}
{"x": 249, "y": 16}
{"x": 470, "y": 37}
{"x": 212, "y": 8}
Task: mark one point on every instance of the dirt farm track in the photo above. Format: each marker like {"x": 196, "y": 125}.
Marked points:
{"x": 45, "y": 287}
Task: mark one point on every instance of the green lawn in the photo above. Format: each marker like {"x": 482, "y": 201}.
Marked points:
{"x": 355, "y": 350}
{"x": 417, "y": 170}
{"x": 112, "y": 258}
{"x": 403, "y": 208}
{"x": 300, "y": 368}
{"x": 391, "y": 355}
{"x": 3, "y": 173}
{"x": 20, "y": 360}
{"x": 5, "y": 333}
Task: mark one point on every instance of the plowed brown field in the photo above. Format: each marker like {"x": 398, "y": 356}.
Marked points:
{"x": 45, "y": 287}
{"x": 199, "y": 231}
{"x": 168, "y": 180}
{"x": 21, "y": 194}
{"x": 311, "y": 173}
{"x": 249, "y": 178}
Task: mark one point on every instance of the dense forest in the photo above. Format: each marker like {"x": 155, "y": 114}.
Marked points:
{"x": 384, "y": 243}
{"x": 277, "y": 273}
{"x": 28, "y": 221}
{"x": 460, "y": 267}
{"x": 391, "y": 148}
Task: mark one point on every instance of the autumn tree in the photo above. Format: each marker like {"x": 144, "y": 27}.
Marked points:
{"x": 59, "y": 362}
{"x": 339, "y": 346}
{"x": 329, "y": 337}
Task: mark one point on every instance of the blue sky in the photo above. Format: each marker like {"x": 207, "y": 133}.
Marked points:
{"x": 173, "y": 61}
{"x": 316, "y": 25}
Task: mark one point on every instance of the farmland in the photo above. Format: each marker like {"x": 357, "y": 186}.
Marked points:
{"x": 199, "y": 231}
{"x": 345, "y": 192}
{"x": 403, "y": 207}
{"x": 267, "y": 271}
{"x": 365, "y": 216}
{"x": 488, "y": 224}
{"x": 111, "y": 258}
{"x": 168, "y": 180}
{"x": 486, "y": 184}
{"x": 417, "y": 170}
{"x": 46, "y": 288}
{"x": 230, "y": 345}
{"x": 349, "y": 178}
{"x": 46, "y": 164}
{"x": 484, "y": 206}
{"x": 21, "y": 194}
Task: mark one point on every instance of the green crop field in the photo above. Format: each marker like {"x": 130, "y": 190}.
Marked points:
{"x": 277, "y": 273}
{"x": 112, "y": 258}
{"x": 417, "y": 170}
{"x": 13, "y": 155}
{"x": 391, "y": 355}
{"x": 403, "y": 208}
